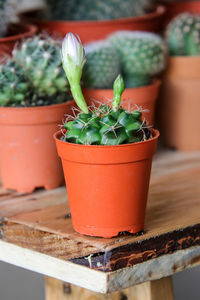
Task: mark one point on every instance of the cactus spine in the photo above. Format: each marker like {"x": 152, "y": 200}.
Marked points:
{"x": 142, "y": 56}
{"x": 102, "y": 65}
{"x": 183, "y": 35}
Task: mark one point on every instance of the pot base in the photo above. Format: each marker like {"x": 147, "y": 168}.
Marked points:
{"x": 107, "y": 232}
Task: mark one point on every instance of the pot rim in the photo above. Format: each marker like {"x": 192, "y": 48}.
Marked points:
{"x": 156, "y": 82}
{"x": 159, "y": 11}
{"x": 35, "y": 108}
{"x": 30, "y": 30}
{"x": 57, "y": 134}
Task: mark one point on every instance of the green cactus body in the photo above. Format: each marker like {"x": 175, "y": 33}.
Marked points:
{"x": 102, "y": 65}
{"x": 14, "y": 87}
{"x": 41, "y": 60}
{"x": 97, "y": 9}
{"x": 142, "y": 56}
{"x": 183, "y": 35}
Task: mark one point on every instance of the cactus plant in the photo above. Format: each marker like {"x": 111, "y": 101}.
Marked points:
{"x": 102, "y": 65}
{"x": 183, "y": 35}
{"x": 104, "y": 125}
{"x": 14, "y": 86}
{"x": 34, "y": 76}
{"x": 142, "y": 56}
{"x": 97, "y": 9}
{"x": 40, "y": 58}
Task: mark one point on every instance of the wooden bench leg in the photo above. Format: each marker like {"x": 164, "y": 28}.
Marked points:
{"x": 161, "y": 289}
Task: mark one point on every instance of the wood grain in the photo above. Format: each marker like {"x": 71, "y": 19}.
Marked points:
{"x": 172, "y": 220}
{"x": 152, "y": 290}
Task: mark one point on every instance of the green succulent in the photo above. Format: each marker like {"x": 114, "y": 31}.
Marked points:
{"x": 14, "y": 87}
{"x": 183, "y": 35}
{"x": 97, "y": 9}
{"x": 142, "y": 56}
{"x": 102, "y": 65}
{"x": 108, "y": 125}
{"x": 40, "y": 58}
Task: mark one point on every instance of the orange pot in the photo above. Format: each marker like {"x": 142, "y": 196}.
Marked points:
{"x": 144, "y": 97}
{"x": 16, "y": 33}
{"x": 107, "y": 185}
{"x": 180, "y": 103}
{"x": 97, "y": 30}
{"x": 28, "y": 157}
{"x": 175, "y": 8}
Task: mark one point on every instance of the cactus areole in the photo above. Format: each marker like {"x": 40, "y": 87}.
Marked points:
{"x": 105, "y": 125}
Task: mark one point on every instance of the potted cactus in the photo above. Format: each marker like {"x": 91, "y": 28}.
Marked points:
{"x": 139, "y": 56}
{"x": 181, "y": 89}
{"x": 11, "y": 33}
{"x": 106, "y": 154}
{"x": 33, "y": 94}
{"x": 95, "y": 19}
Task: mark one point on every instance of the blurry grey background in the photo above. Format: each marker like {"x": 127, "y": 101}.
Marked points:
{"x": 19, "y": 284}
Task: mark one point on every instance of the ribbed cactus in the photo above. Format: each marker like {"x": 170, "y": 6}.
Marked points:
{"x": 183, "y": 35}
{"x": 102, "y": 65}
{"x": 142, "y": 56}
{"x": 40, "y": 58}
{"x": 108, "y": 125}
{"x": 14, "y": 86}
{"x": 97, "y": 9}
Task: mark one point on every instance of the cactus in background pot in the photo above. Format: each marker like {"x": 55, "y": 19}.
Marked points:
{"x": 34, "y": 76}
{"x": 97, "y": 9}
{"x": 102, "y": 65}
{"x": 142, "y": 56}
{"x": 104, "y": 125}
{"x": 183, "y": 35}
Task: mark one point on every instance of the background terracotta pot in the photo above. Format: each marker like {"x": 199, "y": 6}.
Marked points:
{"x": 142, "y": 96}
{"x": 16, "y": 33}
{"x": 180, "y": 103}
{"x": 175, "y": 8}
{"x": 28, "y": 157}
{"x": 107, "y": 185}
{"x": 96, "y": 30}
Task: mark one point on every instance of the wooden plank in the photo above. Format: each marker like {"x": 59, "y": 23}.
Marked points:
{"x": 95, "y": 280}
{"x": 151, "y": 290}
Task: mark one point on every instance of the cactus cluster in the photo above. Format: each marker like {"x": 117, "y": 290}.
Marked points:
{"x": 34, "y": 75}
{"x": 183, "y": 35}
{"x": 107, "y": 125}
{"x": 102, "y": 65}
{"x": 142, "y": 56}
{"x": 97, "y": 9}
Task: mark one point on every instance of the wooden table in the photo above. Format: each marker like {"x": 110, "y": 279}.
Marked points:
{"x": 36, "y": 233}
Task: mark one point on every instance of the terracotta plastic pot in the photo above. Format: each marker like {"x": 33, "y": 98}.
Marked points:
{"x": 107, "y": 185}
{"x": 180, "y": 103}
{"x": 16, "y": 33}
{"x": 175, "y": 8}
{"x": 28, "y": 157}
{"x": 142, "y": 96}
{"x": 96, "y": 30}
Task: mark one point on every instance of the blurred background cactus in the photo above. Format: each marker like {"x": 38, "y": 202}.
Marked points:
{"x": 97, "y": 9}
{"x": 102, "y": 65}
{"x": 183, "y": 35}
{"x": 142, "y": 56}
{"x": 7, "y": 14}
{"x": 36, "y": 74}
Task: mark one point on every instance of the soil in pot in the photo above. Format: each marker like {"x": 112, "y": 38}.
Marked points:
{"x": 107, "y": 185}
{"x": 179, "y": 104}
{"x": 144, "y": 97}
{"x": 16, "y": 32}
{"x": 28, "y": 157}
{"x": 97, "y": 30}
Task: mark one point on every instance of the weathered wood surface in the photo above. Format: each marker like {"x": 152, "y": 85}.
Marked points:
{"x": 41, "y": 221}
{"x": 152, "y": 290}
